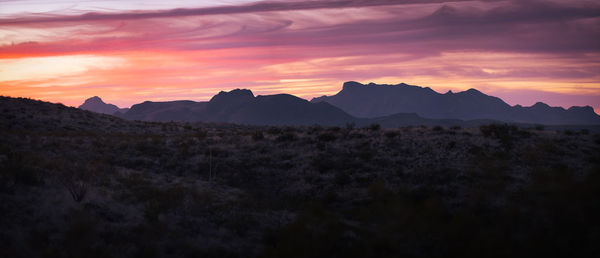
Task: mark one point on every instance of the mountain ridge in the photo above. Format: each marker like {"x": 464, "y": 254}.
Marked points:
{"x": 361, "y": 104}
{"x": 377, "y": 100}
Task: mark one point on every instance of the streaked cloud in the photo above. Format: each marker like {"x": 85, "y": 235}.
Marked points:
{"x": 307, "y": 48}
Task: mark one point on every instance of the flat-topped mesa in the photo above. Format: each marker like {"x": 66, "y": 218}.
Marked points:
{"x": 351, "y": 84}
{"x": 357, "y": 85}
{"x": 232, "y": 99}
{"x": 582, "y": 108}
{"x": 237, "y": 93}
{"x": 234, "y": 96}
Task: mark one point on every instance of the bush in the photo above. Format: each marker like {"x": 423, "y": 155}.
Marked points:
{"x": 75, "y": 180}
{"x": 274, "y": 130}
{"x": 287, "y": 137}
{"x": 18, "y": 168}
{"x": 391, "y": 134}
{"x": 373, "y": 127}
{"x": 505, "y": 133}
{"x": 257, "y": 136}
{"x": 326, "y": 137}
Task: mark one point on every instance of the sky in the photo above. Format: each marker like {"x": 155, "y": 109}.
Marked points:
{"x": 126, "y": 52}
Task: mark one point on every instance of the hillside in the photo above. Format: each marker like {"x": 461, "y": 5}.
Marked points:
{"x": 79, "y": 184}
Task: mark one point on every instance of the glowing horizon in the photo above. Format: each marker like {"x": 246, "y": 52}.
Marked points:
{"x": 128, "y": 52}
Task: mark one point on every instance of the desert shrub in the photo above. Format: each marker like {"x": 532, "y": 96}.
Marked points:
{"x": 326, "y": 137}
{"x": 549, "y": 148}
{"x": 437, "y": 128}
{"x": 274, "y": 130}
{"x": 18, "y": 168}
{"x": 506, "y": 134}
{"x": 350, "y": 126}
{"x": 79, "y": 240}
{"x": 377, "y": 189}
{"x": 286, "y": 137}
{"x": 316, "y": 232}
{"x": 323, "y": 163}
{"x": 153, "y": 147}
{"x": 76, "y": 179}
{"x": 158, "y": 200}
{"x": 316, "y": 128}
{"x": 201, "y": 134}
{"x": 335, "y": 129}
{"x": 391, "y": 134}
{"x": 257, "y": 136}
{"x": 365, "y": 151}
{"x": 451, "y": 145}
{"x": 342, "y": 178}
{"x": 357, "y": 135}
{"x": 373, "y": 127}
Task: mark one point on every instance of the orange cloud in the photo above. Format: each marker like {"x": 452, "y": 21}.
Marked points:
{"x": 307, "y": 50}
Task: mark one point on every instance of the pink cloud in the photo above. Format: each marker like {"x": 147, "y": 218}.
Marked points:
{"x": 516, "y": 49}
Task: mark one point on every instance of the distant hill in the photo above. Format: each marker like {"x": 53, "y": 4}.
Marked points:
{"x": 181, "y": 110}
{"x": 374, "y": 100}
{"x": 95, "y": 104}
{"x": 28, "y": 114}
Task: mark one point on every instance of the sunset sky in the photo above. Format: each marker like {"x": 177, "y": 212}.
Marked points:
{"x": 130, "y": 51}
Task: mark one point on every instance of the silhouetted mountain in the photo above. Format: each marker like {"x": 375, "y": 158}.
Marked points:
{"x": 374, "y": 100}
{"x": 96, "y": 104}
{"x": 388, "y": 105}
{"x": 242, "y": 107}
{"x": 182, "y": 110}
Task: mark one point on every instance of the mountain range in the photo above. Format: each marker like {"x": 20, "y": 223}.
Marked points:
{"x": 374, "y": 100}
{"x": 361, "y": 104}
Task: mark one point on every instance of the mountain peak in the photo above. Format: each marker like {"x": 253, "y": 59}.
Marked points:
{"x": 94, "y": 99}
{"x": 237, "y": 93}
{"x": 351, "y": 84}
{"x": 474, "y": 91}
{"x": 540, "y": 105}
{"x": 230, "y": 99}
{"x": 96, "y": 104}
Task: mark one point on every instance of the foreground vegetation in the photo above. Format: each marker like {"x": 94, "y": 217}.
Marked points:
{"x": 79, "y": 184}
